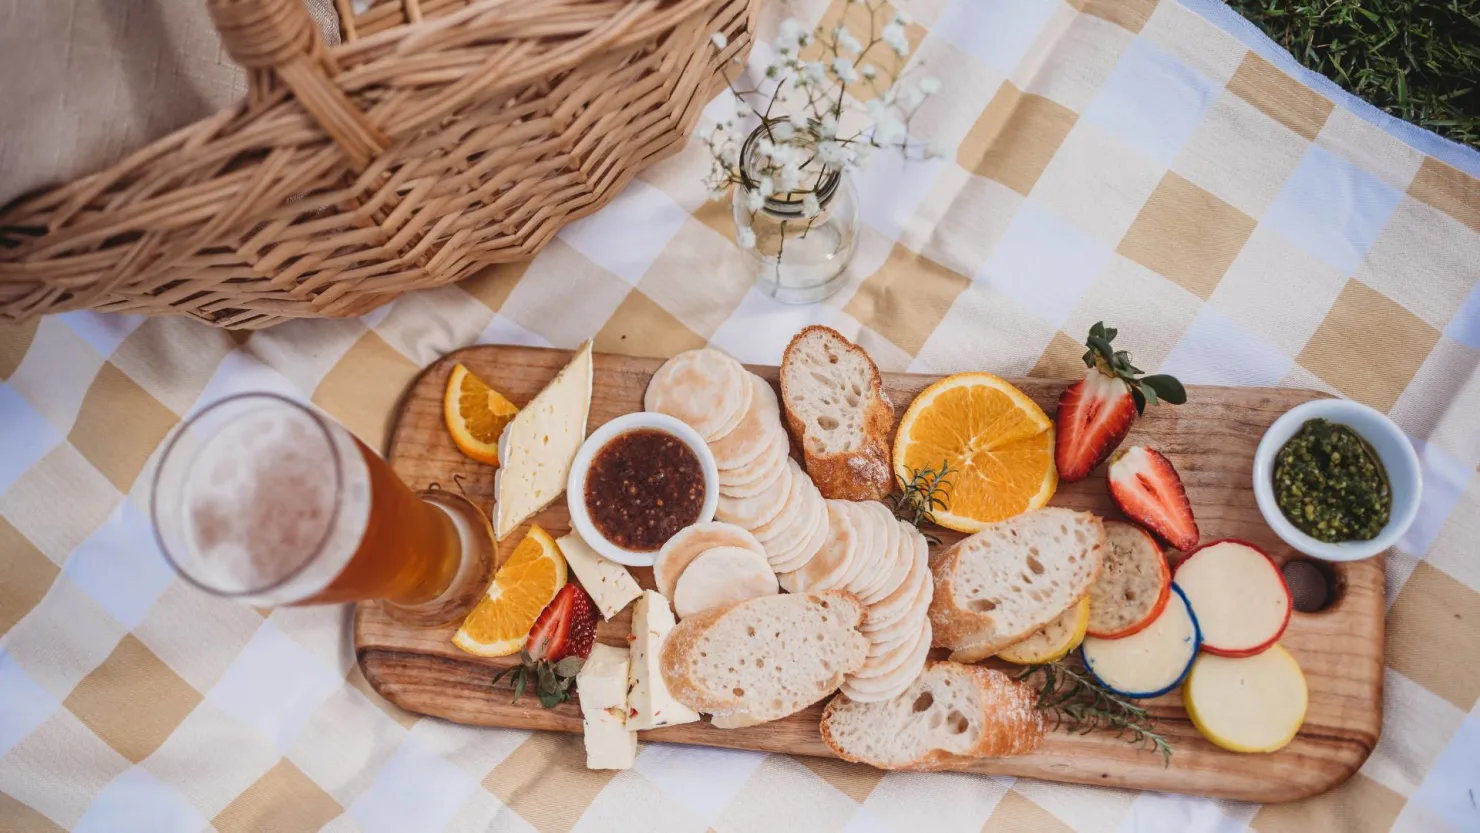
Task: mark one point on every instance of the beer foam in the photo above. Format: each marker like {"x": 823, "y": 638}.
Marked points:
{"x": 260, "y": 499}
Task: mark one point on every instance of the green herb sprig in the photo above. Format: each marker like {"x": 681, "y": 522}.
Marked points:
{"x": 1079, "y": 702}
{"x": 926, "y": 490}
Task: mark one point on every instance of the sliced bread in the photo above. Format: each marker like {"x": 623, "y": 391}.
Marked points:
{"x": 1012, "y": 578}
{"x": 838, "y": 414}
{"x": 949, "y": 714}
{"x": 767, "y": 657}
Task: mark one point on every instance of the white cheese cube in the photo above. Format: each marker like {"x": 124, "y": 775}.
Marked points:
{"x": 651, "y": 704}
{"x": 608, "y": 583}
{"x": 602, "y": 688}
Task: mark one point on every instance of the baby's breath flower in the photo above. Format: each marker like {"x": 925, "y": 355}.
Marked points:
{"x": 894, "y": 36}
{"x": 832, "y": 154}
{"x": 843, "y": 68}
{"x": 903, "y": 18}
{"x": 848, "y": 43}
{"x": 744, "y": 236}
{"x": 908, "y": 95}
{"x": 809, "y": 136}
{"x": 793, "y": 34}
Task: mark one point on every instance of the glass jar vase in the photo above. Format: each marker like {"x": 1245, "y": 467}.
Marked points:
{"x": 796, "y": 258}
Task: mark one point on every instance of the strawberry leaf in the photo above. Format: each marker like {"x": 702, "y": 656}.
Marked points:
{"x": 569, "y": 666}
{"x": 521, "y": 680}
{"x": 1167, "y": 387}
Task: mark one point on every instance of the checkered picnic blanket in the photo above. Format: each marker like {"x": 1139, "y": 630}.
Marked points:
{"x": 1158, "y": 165}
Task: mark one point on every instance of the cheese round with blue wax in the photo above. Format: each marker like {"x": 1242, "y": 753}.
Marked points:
{"x": 1151, "y": 662}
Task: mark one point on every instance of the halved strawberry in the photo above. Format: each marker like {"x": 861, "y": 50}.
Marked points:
{"x": 1148, "y": 490}
{"x": 1096, "y": 413}
{"x": 566, "y": 627}
{"x": 559, "y": 641}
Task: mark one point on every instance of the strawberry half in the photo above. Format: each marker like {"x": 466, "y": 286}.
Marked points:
{"x": 558, "y": 644}
{"x": 1148, "y": 490}
{"x": 1096, "y": 413}
{"x": 565, "y": 628}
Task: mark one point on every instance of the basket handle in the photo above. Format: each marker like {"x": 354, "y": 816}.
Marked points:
{"x": 277, "y": 37}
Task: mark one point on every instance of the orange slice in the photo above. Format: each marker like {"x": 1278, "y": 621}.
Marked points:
{"x": 997, "y": 442}
{"x": 534, "y": 572}
{"x": 475, "y": 415}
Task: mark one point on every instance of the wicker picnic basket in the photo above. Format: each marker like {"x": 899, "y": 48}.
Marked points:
{"x": 439, "y": 137}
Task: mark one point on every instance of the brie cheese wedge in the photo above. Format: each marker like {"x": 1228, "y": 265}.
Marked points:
{"x": 538, "y": 446}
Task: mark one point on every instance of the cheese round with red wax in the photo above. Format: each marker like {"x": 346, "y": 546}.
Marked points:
{"x": 1247, "y": 704}
{"x": 1239, "y": 596}
{"x": 1152, "y": 661}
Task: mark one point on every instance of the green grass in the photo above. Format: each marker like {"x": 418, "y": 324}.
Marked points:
{"x": 1417, "y": 59}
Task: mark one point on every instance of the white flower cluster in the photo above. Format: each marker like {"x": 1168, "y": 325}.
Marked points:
{"x": 817, "y": 80}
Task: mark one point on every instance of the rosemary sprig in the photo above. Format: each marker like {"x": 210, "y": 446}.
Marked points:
{"x": 1078, "y": 701}
{"x": 925, "y": 491}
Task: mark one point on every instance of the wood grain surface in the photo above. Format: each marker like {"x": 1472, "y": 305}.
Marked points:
{"x": 1211, "y": 440}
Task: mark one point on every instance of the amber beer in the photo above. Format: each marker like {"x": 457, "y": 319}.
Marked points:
{"x": 262, "y": 499}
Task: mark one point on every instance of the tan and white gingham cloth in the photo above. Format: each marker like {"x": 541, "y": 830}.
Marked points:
{"x": 1157, "y": 165}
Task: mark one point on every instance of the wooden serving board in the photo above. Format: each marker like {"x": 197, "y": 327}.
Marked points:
{"x": 1211, "y": 440}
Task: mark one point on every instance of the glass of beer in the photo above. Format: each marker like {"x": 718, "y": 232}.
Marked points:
{"x": 261, "y": 499}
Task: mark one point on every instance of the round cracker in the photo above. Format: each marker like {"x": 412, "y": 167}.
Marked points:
{"x": 893, "y": 684}
{"x": 705, "y": 388}
{"x": 758, "y": 473}
{"x": 755, "y": 430}
{"x": 797, "y": 557}
{"x": 891, "y": 656}
{"x": 894, "y": 606}
{"x": 867, "y": 532}
{"x": 906, "y": 624}
{"x": 689, "y": 543}
{"x": 756, "y": 510}
{"x": 788, "y": 538}
{"x": 879, "y": 560}
{"x": 825, "y": 569}
{"x": 904, "y": 559}
{"x": 791, "y": 511}
{"x": 722, "y": 576}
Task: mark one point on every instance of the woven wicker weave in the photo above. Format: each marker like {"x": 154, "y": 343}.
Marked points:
{"x": 441, "y": 136}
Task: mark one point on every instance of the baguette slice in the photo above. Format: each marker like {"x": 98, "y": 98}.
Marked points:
{"x": 1000, "y": 585}
{"x": 767, "y": 657}
{"x": 838, "y": 414}
{"x": 949, "y": 714}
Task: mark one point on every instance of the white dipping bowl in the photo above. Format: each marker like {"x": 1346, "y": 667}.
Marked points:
{"x": 1394, "y": 450}
{"x": 575, "y": 487}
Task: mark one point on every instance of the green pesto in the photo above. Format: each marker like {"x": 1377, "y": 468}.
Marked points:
{"x": 1331, "y": 485}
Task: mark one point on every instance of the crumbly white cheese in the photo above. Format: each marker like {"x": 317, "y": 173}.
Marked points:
{"x": 539, "y": 445}
{"x": 608, "y": 583}
{"x": 651, "y": 704}
{"x": 601, "y": 686}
